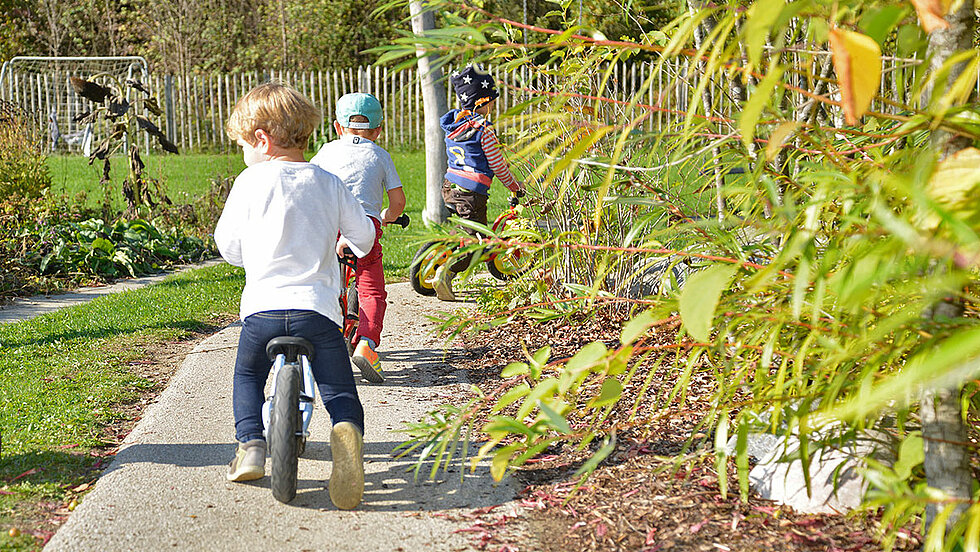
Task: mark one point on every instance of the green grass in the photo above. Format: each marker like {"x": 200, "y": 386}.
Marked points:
{"x": 184, "y": 175}
{"x": 64, "y": 375}
{"x": 188, "y": 175}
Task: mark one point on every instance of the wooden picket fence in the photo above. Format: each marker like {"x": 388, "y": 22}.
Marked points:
{"x": 197, "y": 106}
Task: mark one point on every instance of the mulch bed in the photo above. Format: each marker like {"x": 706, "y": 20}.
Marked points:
{"x": 639, "y": 499}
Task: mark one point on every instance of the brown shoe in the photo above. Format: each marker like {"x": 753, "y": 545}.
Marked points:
{"x": 444, "y": 284}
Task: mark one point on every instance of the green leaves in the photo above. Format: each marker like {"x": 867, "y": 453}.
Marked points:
{"x": 878, "y": 22}
{"x": 636, "y": 326}
{"x": 610, "y": 393}
{"x": 760, "y": 97}
{"x": 759, "y": 21}
{"x": 700, "y": 297}
{"x": 131, "y": 248}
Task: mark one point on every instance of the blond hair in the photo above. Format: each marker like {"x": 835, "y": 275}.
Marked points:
{"x": 285, "y": 114}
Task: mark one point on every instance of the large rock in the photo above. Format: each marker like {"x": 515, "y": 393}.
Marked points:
{"x": 836, "y": 484}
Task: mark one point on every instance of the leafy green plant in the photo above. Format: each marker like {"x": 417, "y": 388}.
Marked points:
{"x": 833, "y": 284}
{"x": 23, "y": 168}
{"x": 123, "y": 248}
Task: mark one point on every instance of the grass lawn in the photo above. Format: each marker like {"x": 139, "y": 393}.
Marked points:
{"x": 188, "y": 175}
{"x": 185, "y": 175}
{"x": 66, "y": 378}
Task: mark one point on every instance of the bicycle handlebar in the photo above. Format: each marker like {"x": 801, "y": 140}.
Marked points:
{"x": 402, "y": 220}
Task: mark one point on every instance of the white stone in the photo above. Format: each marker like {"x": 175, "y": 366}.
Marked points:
{"x": 836, "y": 482}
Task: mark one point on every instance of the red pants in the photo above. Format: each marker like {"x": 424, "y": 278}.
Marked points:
{"x": 371, "y": 292}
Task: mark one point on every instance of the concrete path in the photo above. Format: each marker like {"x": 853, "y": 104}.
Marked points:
{"x": 166, "y": 488}
{"x": 29, "y": 307}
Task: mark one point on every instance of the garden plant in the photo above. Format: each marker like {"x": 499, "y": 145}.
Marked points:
{"x": 827, "y": 292}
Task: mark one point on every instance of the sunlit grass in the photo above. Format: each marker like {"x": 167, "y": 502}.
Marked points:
{"x": 65, "y": 375}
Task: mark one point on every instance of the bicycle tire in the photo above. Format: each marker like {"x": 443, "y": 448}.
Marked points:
{"x": 284, "y": 430}
{"x": 352, "y": 317}
{"x": 508, "y": 264}
{"x": 422, "y": 271}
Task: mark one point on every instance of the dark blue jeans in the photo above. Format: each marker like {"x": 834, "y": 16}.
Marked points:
{"x": 331, "y": 368}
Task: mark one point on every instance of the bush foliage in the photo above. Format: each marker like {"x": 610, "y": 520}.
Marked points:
{"x": 23, "y": 170}
{"x": 51, "y": 242}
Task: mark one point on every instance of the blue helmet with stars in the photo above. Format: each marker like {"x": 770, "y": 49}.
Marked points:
{"x": 474, "y": 86}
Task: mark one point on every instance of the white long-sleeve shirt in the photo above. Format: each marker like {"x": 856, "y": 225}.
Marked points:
{"x": 280, "y": 223}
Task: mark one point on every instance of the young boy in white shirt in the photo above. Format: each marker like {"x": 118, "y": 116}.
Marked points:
{"x": 369, "y": 173}
{"x": 280, "y": 223}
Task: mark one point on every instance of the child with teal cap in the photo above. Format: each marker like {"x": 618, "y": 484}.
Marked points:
{"x": 369, "y": 173}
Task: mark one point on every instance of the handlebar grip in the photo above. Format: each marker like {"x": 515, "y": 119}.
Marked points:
{"x": 402, "y": 220}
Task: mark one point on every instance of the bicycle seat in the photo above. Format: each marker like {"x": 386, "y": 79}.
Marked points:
{"x": 292, "y": 347}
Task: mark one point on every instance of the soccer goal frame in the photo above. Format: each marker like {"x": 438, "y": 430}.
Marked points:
{"x": 40, "y": 86}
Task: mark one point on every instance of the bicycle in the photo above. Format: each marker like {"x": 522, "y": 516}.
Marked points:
{"x": 501, "y": 264}
{"x": 349, "y": 304}
{"x": 286, "y": 414}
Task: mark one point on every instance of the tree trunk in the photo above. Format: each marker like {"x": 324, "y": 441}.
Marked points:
{"x": 434, "y": 104}
{"x": 947, "y": 460}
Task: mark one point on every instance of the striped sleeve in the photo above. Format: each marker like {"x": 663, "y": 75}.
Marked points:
{"x": 491, "y": 148}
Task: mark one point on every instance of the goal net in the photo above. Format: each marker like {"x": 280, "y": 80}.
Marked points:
{"x": 41, "y": 87}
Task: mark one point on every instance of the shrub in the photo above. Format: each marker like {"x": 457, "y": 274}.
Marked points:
{"x": 93, "y": 247}
{"x": 23, "y": 165}
{"x": 199, "y": 215}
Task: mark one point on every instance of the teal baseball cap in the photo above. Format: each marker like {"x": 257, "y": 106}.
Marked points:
{"x": 359, "y": 103}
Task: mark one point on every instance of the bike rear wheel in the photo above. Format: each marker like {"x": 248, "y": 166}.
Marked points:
{"x": 422, "y": 270}
{"x": 284, "y": 433}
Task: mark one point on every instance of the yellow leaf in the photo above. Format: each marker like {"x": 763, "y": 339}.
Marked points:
{"x": 857, "y": 61}
{"x": 932, "y": 14}
{"x": 501, "y": 461}
{"x": 779, "y": 137}
{"x": 954, "y": 186}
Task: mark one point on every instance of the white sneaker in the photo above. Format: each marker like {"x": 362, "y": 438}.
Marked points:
{"x": 444, "y": 284}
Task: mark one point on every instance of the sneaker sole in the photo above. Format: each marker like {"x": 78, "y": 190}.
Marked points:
{"x": 250, "y": 474}
{"x": 347, "y": 476}
{"x": 368, "y": 371}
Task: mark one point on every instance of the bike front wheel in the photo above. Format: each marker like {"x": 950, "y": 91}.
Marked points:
{"x": 285, "y": 432}
{"x": 425, "y": 263}
{"x": 506, "y": 264}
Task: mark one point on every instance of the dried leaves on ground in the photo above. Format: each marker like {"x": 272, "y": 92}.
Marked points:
{"x": 640, "y": 498}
